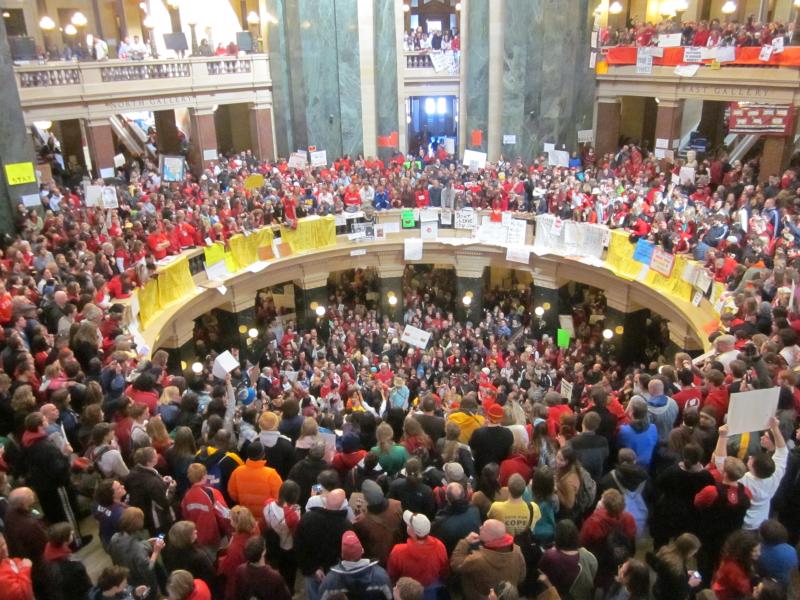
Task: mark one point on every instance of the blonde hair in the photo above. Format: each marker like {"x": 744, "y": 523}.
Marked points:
{"x": 242, "y": 519}
{"x": 451, "y": 446}
{"x": 131, "y": 520}
{"x": 180, "y": 534}
{"x": 157, "y": 430}
{"x": 170, "y": 393}
{"x": 385, "y": 435}
{"x": 309, "y": 428}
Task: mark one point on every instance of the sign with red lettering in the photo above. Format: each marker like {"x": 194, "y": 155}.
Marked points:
{"x": 764, "y": 119}
{"x": 662, "y": 261}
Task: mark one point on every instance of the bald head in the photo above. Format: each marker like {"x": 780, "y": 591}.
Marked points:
{"x": 454, "y": 492}
{"x": 49, "y": 412}
{"x": 655, "y": 387}
{"x": 21, "y": 498}
{"x": 492, "y": 530}
{"x": 335, "y": 499}
{"x": 60, "y": 297}
{"x": 725, "y": 343}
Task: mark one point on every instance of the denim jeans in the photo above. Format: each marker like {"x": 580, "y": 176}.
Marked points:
{"x": 312, "y": 587}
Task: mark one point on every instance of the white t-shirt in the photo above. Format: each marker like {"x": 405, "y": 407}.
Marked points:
{"x": 762, "y": 490}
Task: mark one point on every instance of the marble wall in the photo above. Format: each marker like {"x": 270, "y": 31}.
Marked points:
{"x": 316, "y": 75}
{"x": 548, "y": 88}
{"x": 386, "y": 57}
{"x": 476, "y": 54}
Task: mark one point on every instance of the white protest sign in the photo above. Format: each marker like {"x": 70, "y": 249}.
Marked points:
{"x": 94, "y": 194}
{"x": 558, "y": 158}
{"x": 566, "y": 389}
{"x": 777, "y": 45}
{"x": 119, "y": 160}
{"x": 766, "y": 53}
{"x": 751, "y": 411}
{"x": 110, "y": 197}
{"x": 428, "y": 214}
{"x": 224, "y": 364}
{"x": 585, "y": 136}
{"x": 447, "y": 216}
{"x": 518, "y": 254}
{"x": 466, "y": 219}
{"x": 644, "y": 63}
{"x": 473, "y": 156}
{"x": 31, "y": 200}
{"x": 107, "y": 173}
{"x": 412, "y": 249}
{"x": 319, "y": 158}
{"x": 566, "y": 322}
{"x": 692, "y": 54}
{"x": 548, "y": 147}
{"x": 415, "y": 337}
{"x": 429, "y": 230}
{"x": 669, "y": 40}
{"x": 297, "y": 160}
{"x": 687, "y": 175}
{"x": 558, "y": 225}
{"x": 509, "y": 139}
{"x": 726, "y": 54}
{"x": 686, "y": 70}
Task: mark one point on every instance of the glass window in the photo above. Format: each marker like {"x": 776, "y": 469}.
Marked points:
{"x": 441, "y": 106}
{"x": 430, "y": 106}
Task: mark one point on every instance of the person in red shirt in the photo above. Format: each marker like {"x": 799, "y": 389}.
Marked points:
{"x": 6, "y": 305}
{"x": 610, "y": 515}
{"x": 717, "y": 395}
{"x": 352, "y": 197}
{"x": 157, "y": 242}
{"x": 737, "y": 569}
{"x": 421, "y": 197}
{"x": 689, "y": 396}
{"x": 205, "y": 506}
{"x": 423, "y": 557}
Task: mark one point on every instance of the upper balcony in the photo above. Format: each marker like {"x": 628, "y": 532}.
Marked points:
{"x": 680, "y": 72}
{"x": 113, "y": 86}
{"x": 422, "y": 66}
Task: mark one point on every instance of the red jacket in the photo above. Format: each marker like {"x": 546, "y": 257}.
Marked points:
{"x": 731, "y": 581}
{"x": 599, "y": 524}
{"x": 718, "y": 397}
{"x": 344, "y": 462}
{"x": 205, "y": 506}
{"x": 149, "y": 399}
{"x": 424, "y": 560}
{"x": 554, "y": 418}
{"x": 233, "y": 557}
{"x": 516, "y": 463}
{"x": 201, "y": 591}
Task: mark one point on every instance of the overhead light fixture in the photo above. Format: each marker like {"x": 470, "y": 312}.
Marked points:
{"x": 458, "y": 6}
{"x": 392, "y": 300}
{"x": 43, "y": 125}
{"x": 6, "y": 14}
{"x": 320, "y": 310}
{"x": 197, "y": 368}
{"x": 538, "y": 311}
{"x": 174, "y": 4}
{"x": 79, "y": 19}
{"x": 729, "y": 7}
{"x": 70, "y": 29}
{"x": 466, "y": 300}
{"x": 615, "y": 8}
{"x": 406, "y": 8}
{"x": 253, "y": 18}
{"x": 253, "y": 333}
{"x": 607, "y": 334}
{"x": 47, "y": 23}
{"x": 681, "y": 5}
{"x": 148, "y": 22}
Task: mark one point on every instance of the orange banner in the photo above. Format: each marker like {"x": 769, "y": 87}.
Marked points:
{"x": 626, "y": 55}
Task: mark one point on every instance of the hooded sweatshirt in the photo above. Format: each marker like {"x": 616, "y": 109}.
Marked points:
{"x": 424, "y": 560}
{"x": 278, "y": 451}
{"x": 484, "y": 567}
{"x": 663, "y": 412}
{"x": 362, "y": 578}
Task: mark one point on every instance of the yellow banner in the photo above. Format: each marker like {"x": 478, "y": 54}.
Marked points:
{"x": 311, "y": 234}
{"x": 19, "y": 173}
{"x": 214, "y": 253}
{"x": 148, "y": 302}
{"x": 253, "y": 182}
{"x": 175, "y": 282}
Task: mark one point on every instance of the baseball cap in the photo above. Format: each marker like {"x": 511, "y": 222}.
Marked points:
{"x": 373, "y": 493}
{"x": 495, "y": 413}
{"x": 418, "y": 523}
{"x": 453, "y": 471}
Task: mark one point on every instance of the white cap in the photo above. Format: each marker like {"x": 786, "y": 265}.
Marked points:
{"x": 418, "y": 523}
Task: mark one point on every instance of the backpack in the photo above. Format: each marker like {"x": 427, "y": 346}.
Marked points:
{"x": 531, "y": 552}
{"x": 614, "y": 550}
{"x": 634, "y": 504}
{"x": 587, "y": 492}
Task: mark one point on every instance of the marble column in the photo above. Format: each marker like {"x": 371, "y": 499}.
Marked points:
{"x": 668, "y": 122}
{"x": 387, "y": 286}
{"x": 101, "y": 145}
{"x": 386, "y": 78}
{"x": 306, "y": 300}
{"x": 235, "y": 327}
{"x": 774, "y": 157}
{"x": 178, "y": 341}
{"x": 167, "y": 131}
{"x": 15, "y": 139}
{"x": 262, "y": 140}
{"x": 494, "y": 134}
{"x": 348, "y": 76}
{"x": 466, "y": 285}
{"x": 548, "y": 299}
{"x": 71, "y": 136}
{"x": 606, "y": 137}
{"x": 475, "y": 48}
{"x": 366, "y": 59}
{"x": 281, "y": 75}
{"x": 712, "y": 120}
{"x": 202, "y": 137}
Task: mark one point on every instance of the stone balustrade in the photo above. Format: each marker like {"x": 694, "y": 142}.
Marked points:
{"x": 433, "y": 65}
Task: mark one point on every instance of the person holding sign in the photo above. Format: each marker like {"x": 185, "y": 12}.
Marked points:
{"x": 764, "y": 472}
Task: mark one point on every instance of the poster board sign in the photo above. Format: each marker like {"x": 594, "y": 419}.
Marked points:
{"x": 566, "y": 389}
{"x": 558, "y": 158}
{"x": 687, "y": 175}
{"x": 415, "y": 337}
{"x": 119, "y": 160}
{"x": 253, "y": 182}
{"x": 473, "y": 158}
{"x": 669, "y": 40}
{"x": 31, "y": 200}
{"x": 518, "y": 254}
{"x": 766, "y": 53}
{"x": 430, "y": 230}
{"x": 319, "y": 158}
{"x": 298, "y": 160}
{"x": 93, "y": 195}
{"x": 412, "y": 249}
{"x": 210, "y": 154}
{"x": 173, "y": 168}
{"x": 20, "y": 173}
{"x": 466, "y": 219}
{"x": 509, "y": 139}
{"x": 768, "y": 119}
{"x": 643, "y": 252}
{"x": 566, "y": 323}
{"x": 109, "y": 197}
{"x": 692, "y": 54}
{"x": 644, "y": 62}
{"x": 751, "y": 411}
{"x": 224, "y": 364}
{"x": 585, "y": 136}
{"x": 662, "y": 261}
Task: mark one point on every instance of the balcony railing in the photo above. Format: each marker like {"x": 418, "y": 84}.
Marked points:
{"x": 82, "y": 82}
{"x": 432, "y": 64}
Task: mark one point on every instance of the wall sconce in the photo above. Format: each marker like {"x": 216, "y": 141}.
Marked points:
{"x": 320, "y": 310}
{"x": 607, "y": 334}
{"x": 253, "y": 332}
{"x": 539, "y": 311}
{"x": 392, "y": 299}
{"x": 197, "y": 368}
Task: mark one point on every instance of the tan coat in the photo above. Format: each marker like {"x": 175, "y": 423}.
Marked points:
{"x": 481, "y": 569}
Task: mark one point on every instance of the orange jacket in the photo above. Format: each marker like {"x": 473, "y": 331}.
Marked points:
{"x": 252, "y": 483}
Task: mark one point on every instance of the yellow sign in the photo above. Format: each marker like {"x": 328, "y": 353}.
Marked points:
{"x": 253, "y": 182}
{"x": 19, "y": 173}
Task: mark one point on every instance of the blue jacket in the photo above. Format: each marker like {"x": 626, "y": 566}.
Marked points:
{"x": 643, "y": 443}
{"x": 360, "y": 579}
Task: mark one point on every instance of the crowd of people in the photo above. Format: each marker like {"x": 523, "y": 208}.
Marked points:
{"x": 436, "y": 41}
{"x": 703, "y": 33}
{"x": 379, "y": 470}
